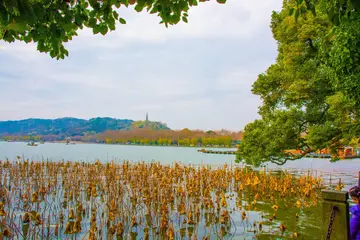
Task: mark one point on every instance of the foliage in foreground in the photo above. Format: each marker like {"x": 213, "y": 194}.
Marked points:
{"x": 50, "y": 23}
{"x": 311, "y": 95}
{"x": 125, "y": 201}
{"x": 336, "y": 10}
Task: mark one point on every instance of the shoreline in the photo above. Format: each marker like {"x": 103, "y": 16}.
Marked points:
{"x": 136, "y": 145}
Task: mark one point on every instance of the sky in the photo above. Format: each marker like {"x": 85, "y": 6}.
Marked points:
{"x": 196, "y": 75}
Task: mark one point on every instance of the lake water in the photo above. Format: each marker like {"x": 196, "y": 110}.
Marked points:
{"x": 347, "y": 170}
{"x": 103, "y": 152}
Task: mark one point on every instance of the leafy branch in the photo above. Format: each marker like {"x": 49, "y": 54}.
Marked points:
{"x": 60, "y": 20}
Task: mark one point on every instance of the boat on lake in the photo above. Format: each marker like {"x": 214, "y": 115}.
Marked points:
{"x": 32, "y": 144}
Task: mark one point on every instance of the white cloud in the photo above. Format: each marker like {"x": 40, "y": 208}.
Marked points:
{"x": 195, "y": 75}
{"x": 235, "y": 19}
{"x": 237, "y": 80}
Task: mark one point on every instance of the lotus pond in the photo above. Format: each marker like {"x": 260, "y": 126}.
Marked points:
{"x": 114, "y": 199}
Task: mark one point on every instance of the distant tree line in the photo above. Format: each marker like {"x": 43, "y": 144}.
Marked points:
{"x": 22, "y": 138}
{"x": 184, "y": 137}
{"x": 149, "y": 136}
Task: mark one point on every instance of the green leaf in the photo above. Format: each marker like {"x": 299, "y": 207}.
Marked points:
{"x": 112, "y": 27}
{"x": 20, "y": 27}
{"x": 116, "y": 15}
{"x": 291, "y": 12}
{"x": 27, "y": 38}
{"x": 68, "y": 27}
{"x": 117, "y": 4}
{"x": 303, "y": 9}
{"x": 8, "y": 37}
{"x": 104, "y": 30}
{"x": 52, "y": 53}
{"x": 153, "y": 10}
{"x": 92, "y": 14}
{"x": 78, "y": 19}
{"x": 122, "y": 21}
{"x": 96, "y": 29}
{"x": 41, "y": 46}
{"x": 139, "y": 7}
{"x": 184, "y": 19}
{"x": 93, "y": 3}
{"x": 92, "y": 22}
{"x": 41, "y": 29}
{"x": 35, "y": 35}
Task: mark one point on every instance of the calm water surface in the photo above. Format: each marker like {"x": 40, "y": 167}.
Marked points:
{"x": 166, "y": 155}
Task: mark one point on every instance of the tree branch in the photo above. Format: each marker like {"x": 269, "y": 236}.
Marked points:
{"x": 289, "y": 157}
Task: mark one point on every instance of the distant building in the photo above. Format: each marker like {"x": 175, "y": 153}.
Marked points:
{"x": 147, "y": 120}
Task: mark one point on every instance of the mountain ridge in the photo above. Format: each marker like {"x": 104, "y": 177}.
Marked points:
{"x": 69, "y": 126}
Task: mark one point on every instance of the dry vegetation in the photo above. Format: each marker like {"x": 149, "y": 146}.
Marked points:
{"x": 149, "y": 200}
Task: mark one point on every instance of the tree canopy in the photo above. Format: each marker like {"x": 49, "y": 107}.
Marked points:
{"x": 311, "y": 95}
{"x": 50, "y": 23}
{"x": 337, "y": 10}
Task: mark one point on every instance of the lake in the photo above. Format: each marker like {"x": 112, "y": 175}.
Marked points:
{"x": 347, "y": 170}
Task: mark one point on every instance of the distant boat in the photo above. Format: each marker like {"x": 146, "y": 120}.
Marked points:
{"x": 32, "y": 144}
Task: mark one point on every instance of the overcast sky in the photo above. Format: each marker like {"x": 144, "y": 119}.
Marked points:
{"x": 196, "y": 75}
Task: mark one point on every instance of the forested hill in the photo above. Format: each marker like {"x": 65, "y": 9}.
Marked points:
{"x": 63, "y": 126}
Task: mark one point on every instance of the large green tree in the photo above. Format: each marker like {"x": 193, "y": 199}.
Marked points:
{"x": 311, "y": 94}
{"x": 50, "y": 23}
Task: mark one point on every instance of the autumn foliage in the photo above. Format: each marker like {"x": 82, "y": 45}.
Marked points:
{"x": 148, "y": 136}
{"x": 184, "y": 137}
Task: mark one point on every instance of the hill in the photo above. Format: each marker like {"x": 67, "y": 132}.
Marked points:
{"x": 63, "y": 126}
{"x": 150, "y": 125}
{"x": 114, "y": 131}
